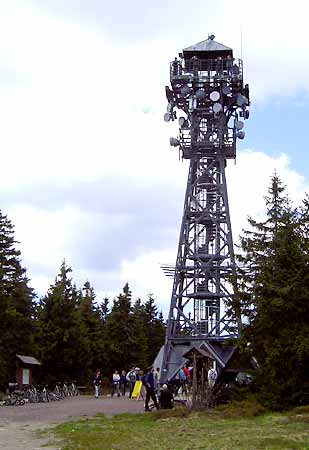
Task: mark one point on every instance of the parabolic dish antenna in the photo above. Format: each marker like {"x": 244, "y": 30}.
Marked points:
{"x": 167, "y": 117}
{"x": 226, "y": 90}
{"x": 217, "y": 107}
{"x": 214, "y": 96}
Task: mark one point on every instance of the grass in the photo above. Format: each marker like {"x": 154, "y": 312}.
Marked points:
{"x": 240, "y": 426}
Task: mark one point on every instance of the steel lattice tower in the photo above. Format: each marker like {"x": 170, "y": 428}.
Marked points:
{"x": 207, "y": 87}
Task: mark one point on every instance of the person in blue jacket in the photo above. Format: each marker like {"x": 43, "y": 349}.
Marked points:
{"x": 148, "y": 381}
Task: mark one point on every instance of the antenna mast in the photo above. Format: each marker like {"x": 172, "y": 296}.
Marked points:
{"x": 207, "y": 91}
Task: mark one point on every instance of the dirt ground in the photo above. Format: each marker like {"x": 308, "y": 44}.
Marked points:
{"x": 19, "y": 424}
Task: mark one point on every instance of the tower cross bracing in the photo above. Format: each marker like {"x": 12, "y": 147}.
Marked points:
{"x": 207, "y": 90}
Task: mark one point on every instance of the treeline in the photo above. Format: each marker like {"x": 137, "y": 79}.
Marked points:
{"x": 67, "y": 330}
{"x": 272, "y": 295}
{"x": 72, "y": 334}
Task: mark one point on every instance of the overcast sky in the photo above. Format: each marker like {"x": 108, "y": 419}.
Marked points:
{"x": 87, "y": 171}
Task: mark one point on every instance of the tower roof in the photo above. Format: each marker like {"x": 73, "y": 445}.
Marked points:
{"x": 208, "y": 49}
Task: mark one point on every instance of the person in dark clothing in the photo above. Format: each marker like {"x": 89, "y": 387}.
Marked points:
{"x": 131, "y": 378}
{"x": 166, "y": 398}
{"x": 96, "y": 383}
{"x": 123, "y": 383}
{"x": 148, "y": 381}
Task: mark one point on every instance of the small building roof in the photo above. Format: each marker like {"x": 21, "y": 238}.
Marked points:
{"x": 208, "y": 49}
{"x": 198, "y": 351}
{"x": 29, "y": 360}
{"x": 219, "y": 351}
{"x": 223, "y": 351}
{"x": 209, "y": 45}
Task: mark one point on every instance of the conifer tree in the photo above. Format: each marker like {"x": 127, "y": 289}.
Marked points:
{"x": 16, "y": 304}
{"x": 273, "y": 288}
{"x": 139, "y": 347}
{"x": 65, "y": 349}
{"x": 91, "y": 317}
{"x": 155, "y": 328}
{"x": 118, "y": 332}
{"x": 104, "y": 310}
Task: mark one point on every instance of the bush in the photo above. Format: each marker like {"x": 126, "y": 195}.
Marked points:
{"x": 244, "y": 408}
{"x": 178, "y": 411}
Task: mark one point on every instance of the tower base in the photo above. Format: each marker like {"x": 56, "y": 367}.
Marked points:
{"x": 219, "y": 350}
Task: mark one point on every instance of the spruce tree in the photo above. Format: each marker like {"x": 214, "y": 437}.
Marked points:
{"x": 16, "y": 304}
{"x": 65, "y": 350}
{"x": 273, "y": 288}
{"x": 155, "y": 328}
{"x": 91, "y": 317}
{"x": 139, "y": 347}
{"x": 118, "y": 332}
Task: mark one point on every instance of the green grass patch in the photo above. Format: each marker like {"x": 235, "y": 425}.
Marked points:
{"x": 239, "y": 426}
{"x": 238, "y": 409}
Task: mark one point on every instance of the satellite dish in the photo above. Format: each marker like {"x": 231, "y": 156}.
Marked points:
{"x": 213, "y": 137}
{"x": 169, "y": 94}
{"x": 200, "y": 94}
{"x": 217, "y": 107}
{"x": 185, "y": 90}
{"x": 239, "y": 124}
{"x": 226, "y": 90}
{"x": 241, "y": 100}
{"x": 182, "y": 121}
{"x": 167, "y": 117}
{"x": 240, "y": 134}
{"x": 235, "y": 69}
{"x": 214, "y": 96}
{"x": 169, "y": 107}
{"x": 174, "y": 142}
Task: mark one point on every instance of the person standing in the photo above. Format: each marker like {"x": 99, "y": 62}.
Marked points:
{"x": 115, "y": 383}
{"x": 138, "y": 371}
{"x": 187, "y": 374}
{"x": 188, "y": 377}
{"x": 157, "y": 381}
{"x": 150, "y": 392}
{"x": 123, "y": 383}
{"x": 212, "y": 377}
{"x": 97, "y": 383}
{"x": 183, "y": 381}
{"x": 131, "y": 378}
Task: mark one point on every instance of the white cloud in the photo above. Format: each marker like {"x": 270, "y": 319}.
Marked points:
{"x": 73, "y": 117}
{"x": 248, "y": 182}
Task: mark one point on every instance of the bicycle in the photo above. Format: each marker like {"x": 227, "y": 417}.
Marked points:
{"x": 14, "y": 400}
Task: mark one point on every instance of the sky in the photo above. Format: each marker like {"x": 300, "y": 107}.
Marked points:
{"x": 87, "y": 171}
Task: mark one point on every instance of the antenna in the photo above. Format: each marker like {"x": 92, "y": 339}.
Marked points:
{"x": 240, "y": 41}
{"x": 209, "y": 93}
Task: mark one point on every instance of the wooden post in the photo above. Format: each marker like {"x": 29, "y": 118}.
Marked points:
{"x": 194, "y": 387}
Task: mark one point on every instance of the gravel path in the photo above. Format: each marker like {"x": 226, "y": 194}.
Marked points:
{"x": 18, "y": 424}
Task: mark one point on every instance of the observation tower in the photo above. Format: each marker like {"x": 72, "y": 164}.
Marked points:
{"x": 208, "y": 97}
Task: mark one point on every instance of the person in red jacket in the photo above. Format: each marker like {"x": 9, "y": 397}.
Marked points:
{"x": 187, "y": 373}
{"x": 188, "y": 376}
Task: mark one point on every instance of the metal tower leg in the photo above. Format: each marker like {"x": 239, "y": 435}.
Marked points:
{"x": 207, "y": 86}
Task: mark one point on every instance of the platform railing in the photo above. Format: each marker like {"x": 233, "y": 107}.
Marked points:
{"x": 207, "y": 69}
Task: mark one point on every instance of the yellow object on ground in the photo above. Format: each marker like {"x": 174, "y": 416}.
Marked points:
{"x": 137, "y": 390}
